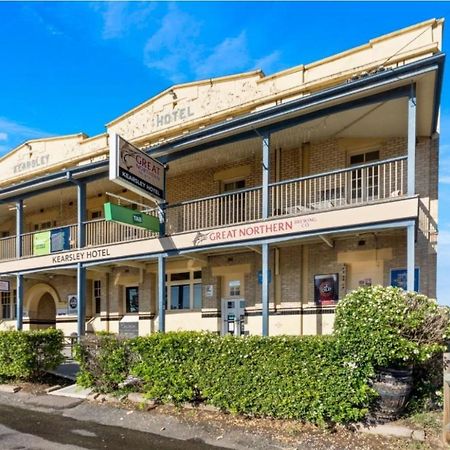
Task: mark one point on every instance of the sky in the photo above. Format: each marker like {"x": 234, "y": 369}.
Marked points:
{"x": 67, "y": 67}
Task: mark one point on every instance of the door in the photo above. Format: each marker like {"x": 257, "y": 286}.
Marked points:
{"x": 365, "y": 181}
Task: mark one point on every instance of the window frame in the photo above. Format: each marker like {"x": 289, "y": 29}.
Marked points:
{"x": 192, "y": 281}
{"x": 125, "y": 290}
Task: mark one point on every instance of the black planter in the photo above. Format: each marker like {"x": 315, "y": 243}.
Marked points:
{"x": 394, "y": 387}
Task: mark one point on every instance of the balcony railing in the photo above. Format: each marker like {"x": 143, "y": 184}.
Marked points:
{"x": 102, "y": 232}
{"x": 347, "y": 187}
{"x": 353, "y": 186}
{"x": 8, "y": 248}
{"x": 28, "y": 243}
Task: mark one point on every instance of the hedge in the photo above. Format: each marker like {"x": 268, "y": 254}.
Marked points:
{"x": 312, "y": 378}
{"x": 283, "y": 377}
{"x": 26, "y": 355}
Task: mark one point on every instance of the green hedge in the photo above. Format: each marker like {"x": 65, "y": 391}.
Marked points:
{"x": 317, "y": 379}
{"x": 27, "y": 355}
{"x": 285, "y": 377}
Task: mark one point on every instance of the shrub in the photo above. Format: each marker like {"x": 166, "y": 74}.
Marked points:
{"x": 27, "y": 355}
{"x": 382, "y": 326}
{"x": 104, "y": 360}
{"x": 285, "y": 377}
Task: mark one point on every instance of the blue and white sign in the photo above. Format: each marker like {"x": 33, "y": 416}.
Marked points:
{"x": 260, "y": 276}
{"x": 399, "y": 278}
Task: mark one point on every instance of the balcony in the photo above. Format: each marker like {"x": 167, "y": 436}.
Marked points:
{"x": 345, "y": 188}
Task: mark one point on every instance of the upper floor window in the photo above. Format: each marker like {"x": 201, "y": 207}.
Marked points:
{"x": 230, "y": 186}
{"x": 364, "y": 182}
{"x": 362, "y": 158}
{"x": 96, "y": 215}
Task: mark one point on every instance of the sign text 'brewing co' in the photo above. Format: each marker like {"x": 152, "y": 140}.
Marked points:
{"x": 135, "y": 170}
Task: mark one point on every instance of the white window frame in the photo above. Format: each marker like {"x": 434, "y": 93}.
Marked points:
{"x": 191, "y": 282}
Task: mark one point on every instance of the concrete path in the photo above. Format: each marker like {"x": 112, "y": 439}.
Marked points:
{"x": 68, "y": 369}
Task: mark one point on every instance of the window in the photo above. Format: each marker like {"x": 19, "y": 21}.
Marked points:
{"x": 364, "y": 182}
{"x": 96, "y": 215}
{"x": 132, "y": 299}
{"x": 234, "y": 288}
{"x": 44, "y": 225}
{"x": 97, "y": 294}
{"x": 6, "y": 305}
{"x": 233, "y": 185}
{"x": 232, "y": 207}
{"x": 5, "y": 234}
{"x": 184, "y": 290}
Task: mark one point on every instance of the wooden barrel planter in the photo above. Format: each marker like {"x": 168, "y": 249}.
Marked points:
{"x": 394, "y": 387}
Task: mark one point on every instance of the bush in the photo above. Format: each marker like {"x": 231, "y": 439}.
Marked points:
{"x": 285, "y": 377}
{"x": 105, "y": 360}
{"x": 385, "y": 326}
{"x": 26, "y": 355}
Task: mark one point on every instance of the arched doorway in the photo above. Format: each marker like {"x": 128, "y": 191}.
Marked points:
{"x": 46, "y": 312}
{"x": 40, "y": 303}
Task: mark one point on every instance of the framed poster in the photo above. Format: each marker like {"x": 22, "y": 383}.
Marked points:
{"x": 326, "y": 289}
{"x": 399, "y": 278}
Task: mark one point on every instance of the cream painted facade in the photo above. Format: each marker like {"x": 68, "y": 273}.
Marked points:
{"x": 329, "y": 168}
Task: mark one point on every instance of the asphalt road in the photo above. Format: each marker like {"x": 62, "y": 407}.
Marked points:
{"x": 28, "y": 429}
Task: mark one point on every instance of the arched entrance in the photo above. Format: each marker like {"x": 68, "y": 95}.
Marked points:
{"x": 46, "y": 312}
{"x": 40, "y": 302}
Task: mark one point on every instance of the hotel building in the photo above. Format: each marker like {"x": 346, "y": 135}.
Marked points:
{"x": 283, "y": 193}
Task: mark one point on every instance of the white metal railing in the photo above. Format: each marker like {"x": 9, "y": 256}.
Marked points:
{"x": 352, "y": 186}
{"x": 8, "y": 248}
{"x": 346, "y": 187}
{"x": 102, "y": 232}
{"x": 219, "y": 210}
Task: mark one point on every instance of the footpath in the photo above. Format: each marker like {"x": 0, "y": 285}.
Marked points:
{"x": 203, "y": 425}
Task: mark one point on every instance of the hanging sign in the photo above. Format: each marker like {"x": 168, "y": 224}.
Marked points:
{"x": 117, "y": 213}
{"x": 4, "y": 286}
{"x": 134, "y": 169}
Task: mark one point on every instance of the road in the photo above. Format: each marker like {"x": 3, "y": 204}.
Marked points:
{"x": 32, "y": 430}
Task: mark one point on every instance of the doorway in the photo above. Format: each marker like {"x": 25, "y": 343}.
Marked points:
{"x": 46, "y": 313}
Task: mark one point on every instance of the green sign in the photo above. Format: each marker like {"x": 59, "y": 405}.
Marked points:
{"x": 41, "y": 243}
{"x": 127, "y": 216}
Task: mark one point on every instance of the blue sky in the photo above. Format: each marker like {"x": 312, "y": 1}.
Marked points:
{"x": 71, "y": 67}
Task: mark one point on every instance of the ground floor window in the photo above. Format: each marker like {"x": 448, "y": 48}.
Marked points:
{"x": 97, "y": 294}
{"x": 184, "y": 290}
{"x": 8, "y": 305}
{"x": 132, "y": 299}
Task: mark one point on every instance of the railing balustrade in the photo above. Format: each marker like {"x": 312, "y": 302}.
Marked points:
{"x": 102, "y": 232}
{"x": 347, "y": 187}
{"x": 8, "y": 248}
{"x": 340, "y": 188}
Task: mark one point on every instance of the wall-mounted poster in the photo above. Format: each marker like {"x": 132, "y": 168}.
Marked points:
{"x": 399, "y": 278}
{"x": 326, "y": 289}
{"x": 41, "y": 243}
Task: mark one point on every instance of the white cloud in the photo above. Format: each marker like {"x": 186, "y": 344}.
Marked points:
{"x": 14, "y": 133}
{"x": 179, "y": 51}
{"x": 230, "y": 55}
{"x": 121, "y": 17}
{"x": 171, "y": 49}
{"x": 268, "y": 63}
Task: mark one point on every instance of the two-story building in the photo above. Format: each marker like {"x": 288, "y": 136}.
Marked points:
{"x": 284, "y": 192}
